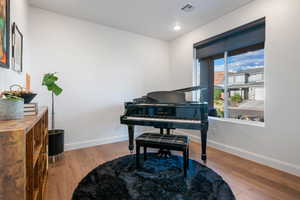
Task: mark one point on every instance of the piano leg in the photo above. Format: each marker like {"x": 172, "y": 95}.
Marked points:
{"x": 164, "y": 153}
{"x": 203, "y": 143}
{"x": 161, "y": 131}
{"x": 168, "y": 131}
{"x": 131, "y": 137}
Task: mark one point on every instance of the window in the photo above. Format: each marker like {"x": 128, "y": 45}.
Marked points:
{"x": 230, "y": 80}
{"x": 232, "y": 72}
{"x": 240, "y": 79}
{"x": 219, "y": 81}
{"x": 256, "y": 77}
{"x": 252, "y": 78}
{"x": 246, "y": 98}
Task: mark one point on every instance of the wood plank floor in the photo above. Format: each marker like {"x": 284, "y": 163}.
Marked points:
{"x": 248, "y": 180}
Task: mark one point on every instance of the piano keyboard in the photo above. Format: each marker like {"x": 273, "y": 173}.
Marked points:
{"x": 164, "y": 120}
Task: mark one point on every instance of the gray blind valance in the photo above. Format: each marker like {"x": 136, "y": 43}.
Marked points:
{"x": 241, "y": 37}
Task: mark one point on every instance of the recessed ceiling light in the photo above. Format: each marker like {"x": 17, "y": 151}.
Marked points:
{"x": 177, "y": 28}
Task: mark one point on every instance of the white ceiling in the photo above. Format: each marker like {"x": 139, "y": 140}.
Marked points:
{"x": 154, "y": 18}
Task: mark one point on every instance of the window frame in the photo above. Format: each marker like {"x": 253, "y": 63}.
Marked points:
{"x": 210, "y": 60}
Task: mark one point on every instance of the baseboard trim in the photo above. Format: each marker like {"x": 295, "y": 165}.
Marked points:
{"x": 274, "y": 163}
{"x": 271, "y": 162}
{"x": 96, "y": 142}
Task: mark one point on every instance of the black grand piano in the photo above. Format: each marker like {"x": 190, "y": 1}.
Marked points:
{"x": 167, "y": 110}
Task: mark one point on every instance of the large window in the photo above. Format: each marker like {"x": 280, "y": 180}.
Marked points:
{"x": 233, "y": 78}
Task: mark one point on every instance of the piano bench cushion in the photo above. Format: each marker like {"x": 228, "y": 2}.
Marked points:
{"x": 167, "y": 141}
{"x": 163, "y": 142}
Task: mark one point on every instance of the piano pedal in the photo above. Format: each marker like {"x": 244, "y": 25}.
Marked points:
{"x": 164, "y": 153}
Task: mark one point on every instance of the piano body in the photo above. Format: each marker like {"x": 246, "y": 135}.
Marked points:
{"x": 167, "y": 110}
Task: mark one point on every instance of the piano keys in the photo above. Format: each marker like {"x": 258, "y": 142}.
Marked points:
{"x": 149, "y": 119}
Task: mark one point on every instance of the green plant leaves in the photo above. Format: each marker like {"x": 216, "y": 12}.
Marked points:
{"x": 236, "y": 98}
{"x": 11, "y": 97}
{"x": 49, "y": 81}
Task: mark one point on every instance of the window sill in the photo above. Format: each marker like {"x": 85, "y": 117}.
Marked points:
{"x": 237, "y": 121}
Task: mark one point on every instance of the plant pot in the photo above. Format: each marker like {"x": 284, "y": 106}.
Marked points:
{"x": 56, "y": 142}
{"x": 11, "y": 110}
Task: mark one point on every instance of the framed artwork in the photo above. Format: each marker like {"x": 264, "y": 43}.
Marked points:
{"x": 17, "y": 49}
{"x": 4, "y": 33}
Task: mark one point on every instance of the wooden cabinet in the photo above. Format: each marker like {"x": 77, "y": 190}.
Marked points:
{"x": 24, "y": 157}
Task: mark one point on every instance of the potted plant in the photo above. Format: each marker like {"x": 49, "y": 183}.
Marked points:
{"x": 11, "y": 107}
{"x": 56, "y": 136}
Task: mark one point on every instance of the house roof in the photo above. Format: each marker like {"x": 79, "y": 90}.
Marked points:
{"x": 219, "y": 78}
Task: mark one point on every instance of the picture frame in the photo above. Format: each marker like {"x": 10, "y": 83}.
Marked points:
{"x": 5, "y": 34}
{"x": 17, "y": 48}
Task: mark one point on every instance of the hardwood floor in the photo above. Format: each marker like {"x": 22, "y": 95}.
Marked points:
{"x": 248, "y": 180}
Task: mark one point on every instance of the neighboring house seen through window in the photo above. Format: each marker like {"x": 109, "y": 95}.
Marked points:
{"x": 233, "y": 78}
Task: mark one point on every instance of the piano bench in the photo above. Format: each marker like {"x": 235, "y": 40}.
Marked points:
{"x": 168, "y": 142}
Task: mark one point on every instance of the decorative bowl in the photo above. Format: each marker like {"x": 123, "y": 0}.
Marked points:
{"x": 28, "y": 97}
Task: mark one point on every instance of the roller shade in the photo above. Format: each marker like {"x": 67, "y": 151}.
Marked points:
{"x": 241, "y": 37}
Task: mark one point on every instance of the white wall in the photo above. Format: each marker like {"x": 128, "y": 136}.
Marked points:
{"x": 99, "y": 68}
{"x": 278, "y": 142}
{"x": 19, "y": 14}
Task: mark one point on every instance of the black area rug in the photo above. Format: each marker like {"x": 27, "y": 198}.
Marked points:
{"x": 158, "y": 179}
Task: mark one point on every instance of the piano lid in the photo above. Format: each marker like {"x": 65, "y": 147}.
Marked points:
{"x": 170, "y": 97}
{"x": 167, "y": 97}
